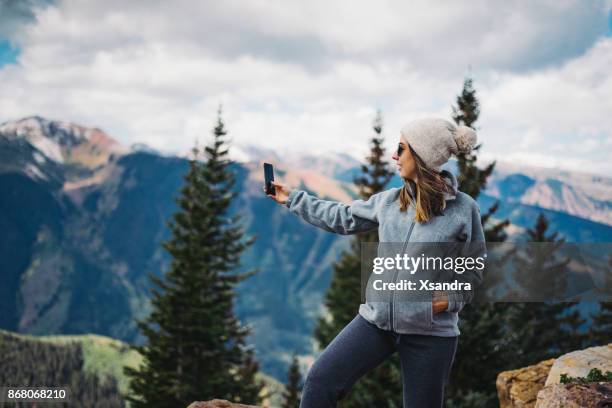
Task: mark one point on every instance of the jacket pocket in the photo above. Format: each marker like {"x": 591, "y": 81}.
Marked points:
{"x": 413, "y": 315}
{"x": 443, "y": 320}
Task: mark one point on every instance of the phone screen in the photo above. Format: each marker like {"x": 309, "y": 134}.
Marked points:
{"x": 269, "y": 177}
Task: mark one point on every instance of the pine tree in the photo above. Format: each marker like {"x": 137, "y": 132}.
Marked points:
{"x": 482, "y": 340}
{"x": 375, "y": 173}
{"x": 382, "y": 385}
{"x": 536, "y": 272}
{"x": 196, "y": 345}
{"x": 543, "y": 329}
{"x": 343, "y": 297}
{"x": 601, "y": 328}
{"x": 293, "y": 390}
{"x": 473, "y": 179}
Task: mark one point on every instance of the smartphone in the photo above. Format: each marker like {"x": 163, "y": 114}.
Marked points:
{"x": 269, "y": 177}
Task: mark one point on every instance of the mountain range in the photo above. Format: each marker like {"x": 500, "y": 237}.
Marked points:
{"x": 83, "y": 218}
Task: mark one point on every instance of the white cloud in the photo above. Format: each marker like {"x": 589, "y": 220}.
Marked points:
{"x": 310, "y": 75}
{"x": 567, "y": 107}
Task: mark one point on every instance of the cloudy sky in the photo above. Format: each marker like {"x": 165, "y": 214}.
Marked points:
{"x": 309, "y": 75}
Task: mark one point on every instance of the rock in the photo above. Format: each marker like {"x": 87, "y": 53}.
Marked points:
{"x": 519, "y": 388}
{"x": 579, "y": 363}
{"x": 218, "y": 403}
{"x": 573, "y": 395}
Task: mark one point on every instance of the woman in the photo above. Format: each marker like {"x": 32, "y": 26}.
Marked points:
{"x": 427, "y": 208}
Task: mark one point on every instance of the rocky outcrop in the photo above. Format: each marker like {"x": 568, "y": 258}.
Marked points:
{"x": 579, "y": 363}
{"x": 519, "y": 388}
{"x": 539, "y": 385}
{"x": 218, "y": 403}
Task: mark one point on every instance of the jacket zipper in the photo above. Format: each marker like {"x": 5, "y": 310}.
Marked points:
{"x": 397, "y": 272}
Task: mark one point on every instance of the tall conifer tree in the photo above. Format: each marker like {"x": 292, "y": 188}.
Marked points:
{"x": 601, "y": 328}
{"x": 382, "y": 385}
{"x": 196, "y": 345}
{"x": 543, "y": 329}
{"x": 482, "y": 326}
{"x": 343, "y": 296}
{"x": 473, "y": 179}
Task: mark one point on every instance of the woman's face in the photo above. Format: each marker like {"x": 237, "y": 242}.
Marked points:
{"x": 405, "y": 163}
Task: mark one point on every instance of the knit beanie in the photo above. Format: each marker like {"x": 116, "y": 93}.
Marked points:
{"x": 434, "y": 140}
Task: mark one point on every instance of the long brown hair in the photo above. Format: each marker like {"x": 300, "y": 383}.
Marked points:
{"x": 429, "y": 191}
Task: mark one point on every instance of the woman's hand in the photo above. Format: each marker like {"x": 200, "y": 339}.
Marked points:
{"x": 440, "y": 302}
{"x": 282, "y": 193}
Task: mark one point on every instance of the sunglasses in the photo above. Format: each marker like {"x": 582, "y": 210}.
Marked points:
{"x": 400, "y": 149}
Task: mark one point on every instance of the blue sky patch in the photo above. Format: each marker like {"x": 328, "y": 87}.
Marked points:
{"x": 8, "y": 53}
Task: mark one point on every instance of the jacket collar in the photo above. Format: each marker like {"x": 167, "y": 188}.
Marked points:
{"x": 451, "y": 180}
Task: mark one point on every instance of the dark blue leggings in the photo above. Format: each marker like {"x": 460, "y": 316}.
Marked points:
{"x": 361, "y": 346}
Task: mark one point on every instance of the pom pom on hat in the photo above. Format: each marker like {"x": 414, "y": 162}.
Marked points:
{"x": 466, "y": 139}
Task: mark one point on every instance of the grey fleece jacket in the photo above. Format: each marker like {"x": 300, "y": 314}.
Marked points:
{"x": 459, "y": 222}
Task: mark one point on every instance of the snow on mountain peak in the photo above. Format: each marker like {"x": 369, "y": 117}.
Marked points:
{"x": 63, "y": 141}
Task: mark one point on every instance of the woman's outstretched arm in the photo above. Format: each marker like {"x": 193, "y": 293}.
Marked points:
{"x": 333, "y": 216}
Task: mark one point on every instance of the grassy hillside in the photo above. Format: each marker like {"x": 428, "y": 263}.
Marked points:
{"x": 29, "y": 362}
{"x": 102, "y": 356}
{"x": 105, "y": 357}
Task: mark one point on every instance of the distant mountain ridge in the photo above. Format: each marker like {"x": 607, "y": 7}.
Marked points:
{"x": 584, "y": 195}
{"x": 64, "y": 142}
{"x": 581, "y": 194}
{"x": 83, "y": 219}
